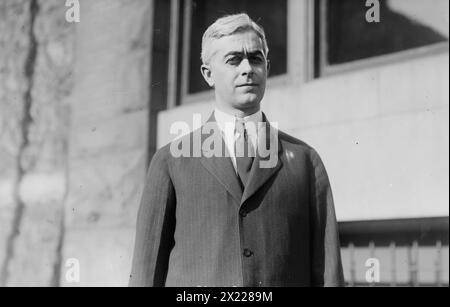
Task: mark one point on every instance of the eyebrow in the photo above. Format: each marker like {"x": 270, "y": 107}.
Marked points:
{"x": 258, "y": 52}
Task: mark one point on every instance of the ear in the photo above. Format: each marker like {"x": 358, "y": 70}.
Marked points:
{"x": 207, "y": 74}
{"x": 268, "y": 67}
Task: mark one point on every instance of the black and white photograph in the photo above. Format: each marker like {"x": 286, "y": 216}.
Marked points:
{"x": 210, "y": 145}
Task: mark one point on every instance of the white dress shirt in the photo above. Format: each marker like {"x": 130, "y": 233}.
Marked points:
{"x": 227, "y": 124}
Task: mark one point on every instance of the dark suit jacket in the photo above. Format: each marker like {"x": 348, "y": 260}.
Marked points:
{"x": 196, "y": 227}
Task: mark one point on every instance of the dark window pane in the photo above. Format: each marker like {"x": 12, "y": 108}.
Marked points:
{"x": 271, "y": 15}
{"x": 404, "y": 24}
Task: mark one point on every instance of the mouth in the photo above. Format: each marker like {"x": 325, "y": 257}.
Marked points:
{"x": 248, "y": 85}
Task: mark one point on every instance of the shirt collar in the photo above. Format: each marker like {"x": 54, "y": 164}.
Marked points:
{"x": 223, "y": 118}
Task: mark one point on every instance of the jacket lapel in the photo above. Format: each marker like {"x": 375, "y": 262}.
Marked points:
{"x": 259, "y": 175}
{"x": 221, "y": 167}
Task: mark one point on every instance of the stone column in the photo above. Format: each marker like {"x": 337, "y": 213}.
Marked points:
{"x": 108, "y": 138}
{"x": 36, "y": 65}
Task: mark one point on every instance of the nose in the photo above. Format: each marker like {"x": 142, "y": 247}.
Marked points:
{"x": 246, "y": 67}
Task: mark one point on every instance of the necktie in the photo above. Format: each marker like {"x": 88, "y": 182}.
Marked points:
{"x": 244, "y": 153}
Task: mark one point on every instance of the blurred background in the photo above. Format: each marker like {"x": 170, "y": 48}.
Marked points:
{"x": 84, "y": 105}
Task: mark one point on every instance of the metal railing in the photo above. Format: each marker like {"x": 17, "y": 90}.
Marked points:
{"x": 400, "y": 243}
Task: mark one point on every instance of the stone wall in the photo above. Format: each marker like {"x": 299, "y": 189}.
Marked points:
{"x": 108, "y": 138}
{"x": 14, "y": 45}
{"x": 36, "y": 66}
{"x": 73, "y": 138}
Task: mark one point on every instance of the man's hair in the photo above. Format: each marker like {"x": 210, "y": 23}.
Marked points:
{"x": 230, "y": 25}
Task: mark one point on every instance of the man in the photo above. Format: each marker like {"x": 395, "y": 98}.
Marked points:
{"x": 230, "y": 220}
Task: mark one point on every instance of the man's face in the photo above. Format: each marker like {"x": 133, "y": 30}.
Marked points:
{"x": 238, "y": 70}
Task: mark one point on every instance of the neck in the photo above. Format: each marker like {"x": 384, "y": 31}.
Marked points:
{"x": 239, "y": 113}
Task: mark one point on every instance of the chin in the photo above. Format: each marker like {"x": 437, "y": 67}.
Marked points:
{"x": 247, "y": 104}
{"x": 249, "y": 100}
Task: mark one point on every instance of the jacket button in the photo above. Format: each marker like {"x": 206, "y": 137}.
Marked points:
{"x": 247, "y": 252}
{"x": 242, "y": 213}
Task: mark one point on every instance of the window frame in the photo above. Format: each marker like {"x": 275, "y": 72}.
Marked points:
{"x": 324, "y": 69}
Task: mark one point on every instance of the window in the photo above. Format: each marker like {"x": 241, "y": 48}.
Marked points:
{"x": 344, "y": 35}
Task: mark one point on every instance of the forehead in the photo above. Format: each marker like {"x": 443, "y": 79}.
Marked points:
{"x": 245, "y": 42}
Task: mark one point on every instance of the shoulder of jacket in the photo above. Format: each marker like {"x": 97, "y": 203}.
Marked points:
{"x": 165, "y": 152}
{"x": 287, "y": 139}
{"x": 295, "y": 144}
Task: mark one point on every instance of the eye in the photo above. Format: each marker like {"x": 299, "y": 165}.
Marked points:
{"x": 234, "y": 60}
{"x": 256, "y": 59}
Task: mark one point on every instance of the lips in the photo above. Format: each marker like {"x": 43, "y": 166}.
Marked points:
{"x": 248, "y": 84}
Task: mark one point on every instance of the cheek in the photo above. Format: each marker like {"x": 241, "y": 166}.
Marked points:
{"x": 262, "y": 72}
{"x": 224, "y": 80}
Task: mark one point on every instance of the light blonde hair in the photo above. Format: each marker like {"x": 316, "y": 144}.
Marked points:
{"x": 229, "y": 25}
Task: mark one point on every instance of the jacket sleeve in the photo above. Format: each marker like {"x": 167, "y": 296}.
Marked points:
{"x": 325, "y": 248}
{"x": 155, "y": 226}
